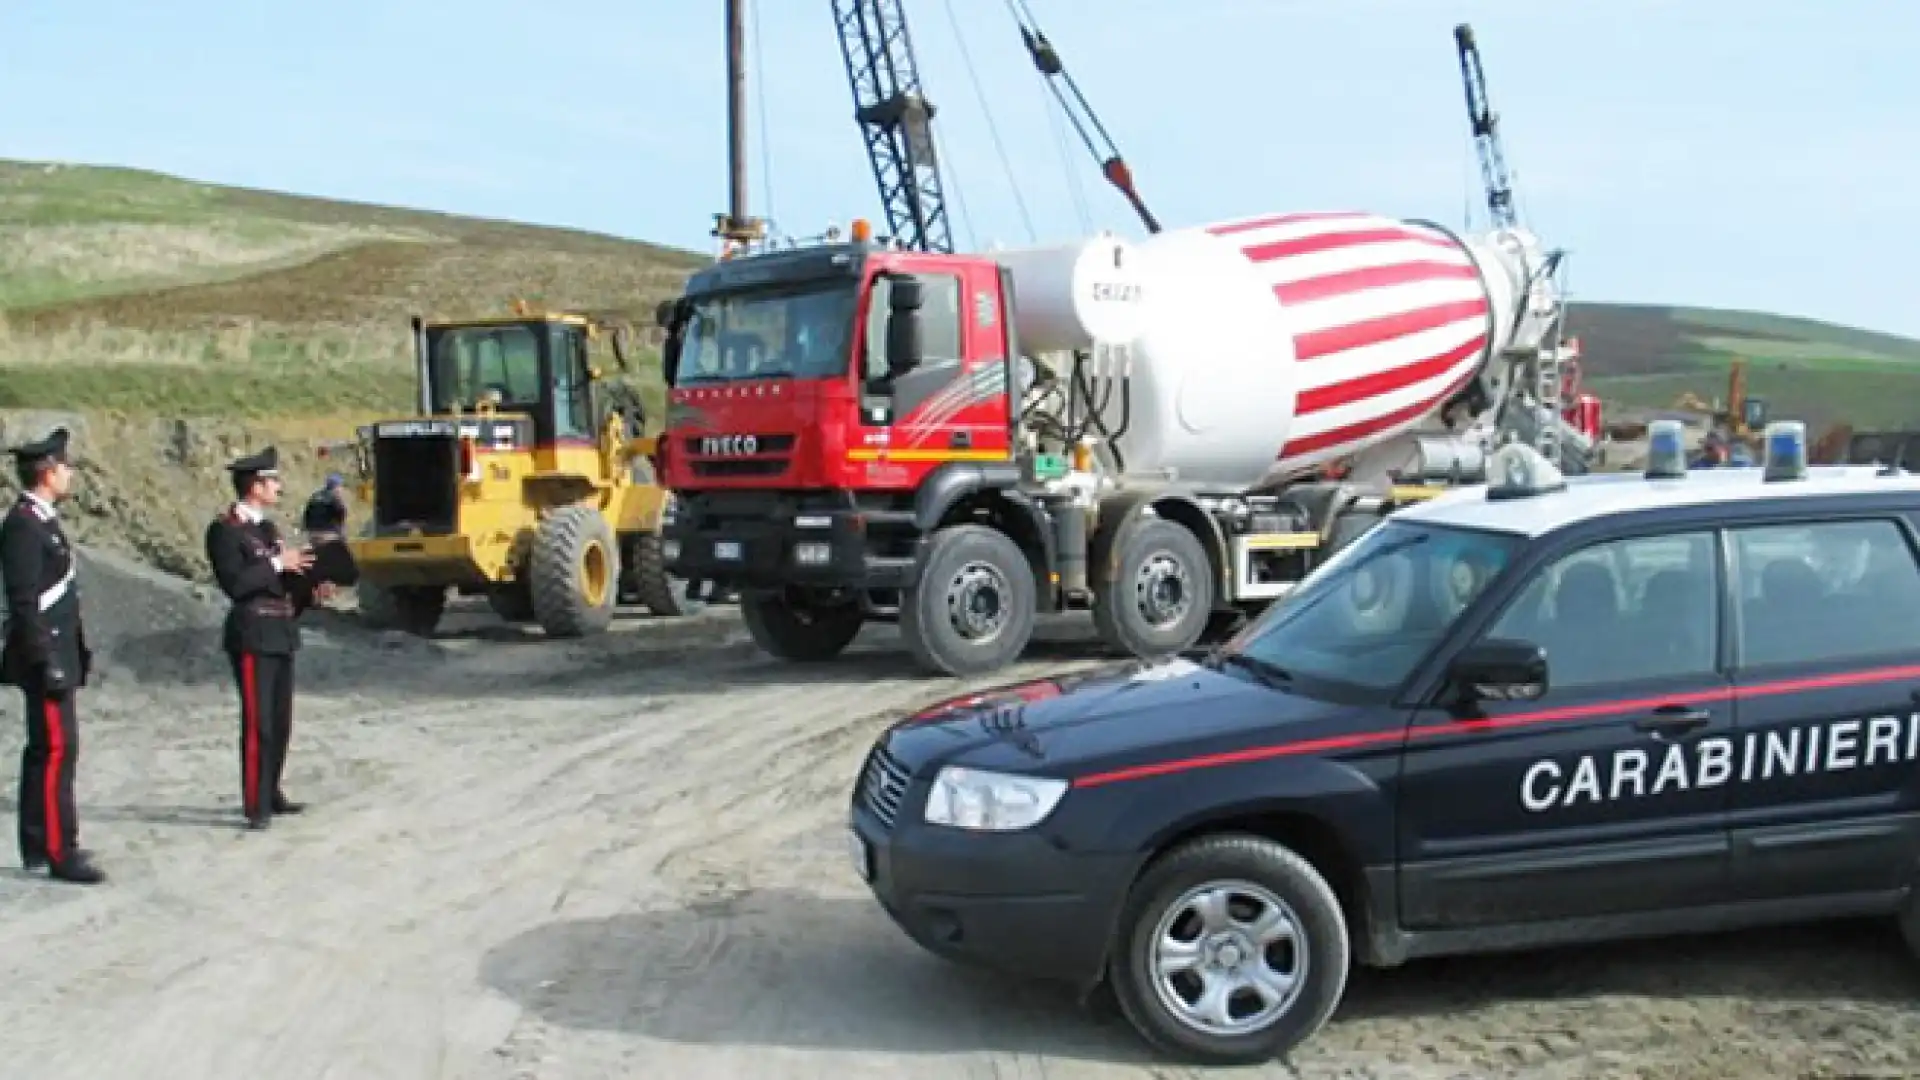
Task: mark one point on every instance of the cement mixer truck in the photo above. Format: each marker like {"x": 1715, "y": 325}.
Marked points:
{"x": 1169, "y": 434}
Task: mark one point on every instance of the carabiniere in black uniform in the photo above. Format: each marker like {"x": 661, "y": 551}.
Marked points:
{"x": 46, "y": 656}
{"x": 262, "y": 630}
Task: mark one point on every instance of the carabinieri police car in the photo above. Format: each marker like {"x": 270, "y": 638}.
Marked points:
{"x": 1537, "y": 711}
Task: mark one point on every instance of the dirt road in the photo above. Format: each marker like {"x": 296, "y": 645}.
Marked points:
{"x": 622, "y": 858}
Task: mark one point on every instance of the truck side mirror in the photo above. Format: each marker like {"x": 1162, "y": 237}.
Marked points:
{"x": 1500, "y": 670}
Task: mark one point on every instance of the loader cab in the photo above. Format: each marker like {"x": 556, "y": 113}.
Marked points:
{"x": 537, "y": 368}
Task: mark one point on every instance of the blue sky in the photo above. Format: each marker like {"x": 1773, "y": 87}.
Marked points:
{"x": 1754, "y": 154}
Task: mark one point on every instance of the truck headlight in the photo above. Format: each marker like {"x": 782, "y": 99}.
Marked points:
{"x": 991, "y": 802}
{"x": 669, "y": 550}
{"x": 813, "y": 554}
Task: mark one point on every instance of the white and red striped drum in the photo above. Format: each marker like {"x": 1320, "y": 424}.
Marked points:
{"x": 1269, "y": 346}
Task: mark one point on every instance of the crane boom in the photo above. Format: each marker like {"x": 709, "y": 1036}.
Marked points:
{"x": 896, "y": 118}
{"x": 1486, "y": 133}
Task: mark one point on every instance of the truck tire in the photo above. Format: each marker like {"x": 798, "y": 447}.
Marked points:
{"x": 1161, "y": 598}
{"x": 644, "y": 578}
{"x": 972, "y": 609}
{"x": 1910, "y": 922}
{"x": 415, "y": 609}
{"x": 1247, "y": 912}
{"x": 801, "y": 634}
{"x": 576, "y": 572}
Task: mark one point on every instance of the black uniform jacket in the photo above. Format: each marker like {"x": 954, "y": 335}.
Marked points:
{"x": 43, "y": 597}
{"x": 266, "y": 609}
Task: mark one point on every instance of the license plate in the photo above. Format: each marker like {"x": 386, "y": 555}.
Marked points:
{"x": 727, "y": 549}
{"x": 857, "y": 848}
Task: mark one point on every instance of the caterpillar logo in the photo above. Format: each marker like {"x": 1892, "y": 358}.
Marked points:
{"x": 729, "y": 445}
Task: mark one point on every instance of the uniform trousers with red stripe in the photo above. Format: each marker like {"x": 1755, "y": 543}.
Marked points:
{"x": 265, "y": 682}
{"x": 48, "y": 826}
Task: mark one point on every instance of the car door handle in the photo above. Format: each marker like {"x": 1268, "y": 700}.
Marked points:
{"x": 1674, "y": 720}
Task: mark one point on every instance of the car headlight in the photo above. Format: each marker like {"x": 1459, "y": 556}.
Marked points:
{"x": 991, "y": 802}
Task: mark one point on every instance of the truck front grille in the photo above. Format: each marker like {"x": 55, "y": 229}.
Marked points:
{"x": 883, "y": 784}
{"x": 415, "y": 483}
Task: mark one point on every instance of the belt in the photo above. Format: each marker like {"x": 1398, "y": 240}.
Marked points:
{"x": 270, "y": 607}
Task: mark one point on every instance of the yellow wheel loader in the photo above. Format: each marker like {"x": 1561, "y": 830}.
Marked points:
{"x": 525, "y": 476}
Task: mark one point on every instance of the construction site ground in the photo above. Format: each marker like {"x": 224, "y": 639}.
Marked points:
{"x": 623, "y": 857}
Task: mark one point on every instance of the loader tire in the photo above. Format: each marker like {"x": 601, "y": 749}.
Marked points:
{"x": 576, "y": 572}
{"x": 415, "y": 609}
{"x": 645, "y": 567}
{"x": 513, "y": 602}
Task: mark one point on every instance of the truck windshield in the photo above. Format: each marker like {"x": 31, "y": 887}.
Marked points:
{"x": 467, "y": 362}
{"x": 1368, "y": 615}
{"x": 802, "y": 332}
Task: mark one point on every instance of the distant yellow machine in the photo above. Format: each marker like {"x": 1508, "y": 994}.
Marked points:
{"x": 525, "y": 476}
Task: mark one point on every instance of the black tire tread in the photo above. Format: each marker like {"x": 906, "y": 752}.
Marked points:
{"x": 1257, "y": 858}
{"x": 1113, "y": 611}
{"x": 646, "y": 567}
{"x": 777, "y": 632}
{"x": 925, "y": 632}
{"x": 555, "y": 562}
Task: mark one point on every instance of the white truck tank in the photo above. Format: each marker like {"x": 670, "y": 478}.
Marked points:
{"x": 1264, "y": 347}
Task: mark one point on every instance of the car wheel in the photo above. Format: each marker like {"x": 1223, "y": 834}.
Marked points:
{"x": 1233, "y": 951}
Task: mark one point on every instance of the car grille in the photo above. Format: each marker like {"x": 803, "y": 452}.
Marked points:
{"x": 883, "y": 784}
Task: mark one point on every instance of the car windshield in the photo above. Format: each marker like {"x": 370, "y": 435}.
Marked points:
{"x": 1373, "y": 611}
{"x": 798, "y": 332}
{"x": 469, "y": 362}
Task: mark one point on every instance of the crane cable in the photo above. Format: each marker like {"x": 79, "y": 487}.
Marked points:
{"x": 1083, "y": 209}
{"x": 760, "y": 107}
{"x": 993, "y": 128}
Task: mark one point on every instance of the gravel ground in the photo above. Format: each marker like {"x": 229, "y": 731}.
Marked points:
{"x": 622, "y": 858}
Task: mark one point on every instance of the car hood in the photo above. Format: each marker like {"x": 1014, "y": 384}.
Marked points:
{"x": 1113, "y": 717}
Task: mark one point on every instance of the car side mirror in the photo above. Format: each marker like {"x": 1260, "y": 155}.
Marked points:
{"x": 1500, "y": 670}
{"x": 663, "y": 314}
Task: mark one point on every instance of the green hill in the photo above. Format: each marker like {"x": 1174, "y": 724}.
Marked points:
{"x": 147, "y": 294}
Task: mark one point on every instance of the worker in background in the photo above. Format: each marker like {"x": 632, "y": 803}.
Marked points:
{"x": 1713, "y": 452}
{"x": 265, "y": 581}
{"x": 46, "y": 656}
{"x": 326, "y": 510}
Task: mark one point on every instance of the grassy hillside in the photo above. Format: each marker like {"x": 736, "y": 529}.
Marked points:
{"x": 132, "y": 291}
{"x": 150, "y": 295}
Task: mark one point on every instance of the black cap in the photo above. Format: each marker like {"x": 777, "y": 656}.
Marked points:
{"x": 54, "y": 446}
{"x": 264, "y": 463}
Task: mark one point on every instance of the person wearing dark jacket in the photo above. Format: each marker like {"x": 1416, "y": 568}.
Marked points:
{"x": 268, "y": 590}
{"x": 326, "y": 510}
{"x": 45, "y": 654}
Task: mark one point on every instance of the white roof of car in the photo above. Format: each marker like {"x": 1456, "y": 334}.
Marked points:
{"x": 1599, "y": 494}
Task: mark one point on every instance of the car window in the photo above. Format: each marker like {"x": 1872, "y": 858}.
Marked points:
{"x": 1825, "y": 592}
{"x": 1369, "y": 614}
{"x": 1622, "y": 611}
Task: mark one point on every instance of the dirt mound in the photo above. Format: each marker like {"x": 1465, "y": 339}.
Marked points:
{"x": 147, "y": 487}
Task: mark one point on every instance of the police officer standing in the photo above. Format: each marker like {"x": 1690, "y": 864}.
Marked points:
{"x": 265, "y": 583}
{"x": 46, "y": 656}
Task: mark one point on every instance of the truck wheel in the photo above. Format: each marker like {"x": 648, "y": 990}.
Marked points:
{"x": 1162, "y": 594}
{"x": 1232, "y": 951}
{"x": 800, "y": 633}
{"x": 513, "y": 601}
{"x": 972, "y": 610}
{"x": 1910, "y": 923}
{"x": 645, "y": 578}
{"x": 415, "y": 609}
{"x": 576, "y": 571}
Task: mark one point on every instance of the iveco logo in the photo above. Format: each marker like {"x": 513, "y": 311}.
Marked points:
{"x": 729, "y": 444}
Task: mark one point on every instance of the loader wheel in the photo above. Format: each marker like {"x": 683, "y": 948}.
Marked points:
{"x": 972, "y": 610}
{"x": 799, "y": 632}
{"x": 576, "y": 572}
{"x": 1161, "y": 598}
{"x": 416, "y": 609}
{"x": 513, "y": 601}
{"x": 644, "y": 569}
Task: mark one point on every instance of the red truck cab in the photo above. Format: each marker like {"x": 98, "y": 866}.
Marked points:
{"x": 828, "y": 407}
